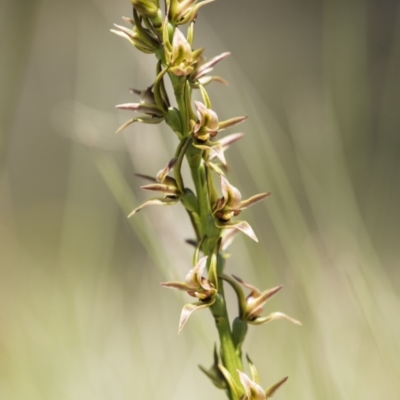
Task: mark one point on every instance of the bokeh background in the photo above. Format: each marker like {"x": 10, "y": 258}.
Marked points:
{"x": 82, "y": 315}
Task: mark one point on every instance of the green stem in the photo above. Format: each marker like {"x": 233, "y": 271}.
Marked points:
{"x": 210, "y": 235}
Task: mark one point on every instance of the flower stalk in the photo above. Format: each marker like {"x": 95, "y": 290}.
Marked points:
{"x": 157, "y": 29}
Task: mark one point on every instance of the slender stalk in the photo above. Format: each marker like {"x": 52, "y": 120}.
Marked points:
{"x": 211, "y": 234}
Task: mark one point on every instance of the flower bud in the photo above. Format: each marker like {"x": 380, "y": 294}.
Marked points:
{"x": 140, "y": 37}
{"x": 146, "y": 8}
{"x": 183, "y": 11}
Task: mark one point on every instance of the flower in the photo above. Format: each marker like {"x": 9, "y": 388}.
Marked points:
{"x": 254, "y": 391}
{"x": 252, "y": 388}
{"x": 252, "y": 306}
{"x": 180, "y": 57}
{"x": 161, "y": 183}
{"x": 203, "y": 67}
{"x": 147, "y": 105}
{"x": 196, "y": 285}
{"x": 142, "y": 38}
{"x": 208, "y": 125}
{"x": 216, "y": 150}
{"x": 231, "y": 204}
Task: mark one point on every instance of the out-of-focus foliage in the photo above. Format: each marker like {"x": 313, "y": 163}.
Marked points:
{"x": 82, "y": 315}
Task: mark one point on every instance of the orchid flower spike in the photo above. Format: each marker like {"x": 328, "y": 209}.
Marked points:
{"x": 208, "y": 125}
{"x": 254, "y": 302}
{"x": 196, "y": 285}
{"x": 231, "y": 205}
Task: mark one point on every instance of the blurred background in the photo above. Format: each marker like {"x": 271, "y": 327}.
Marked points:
{"x": 82, "y": 315}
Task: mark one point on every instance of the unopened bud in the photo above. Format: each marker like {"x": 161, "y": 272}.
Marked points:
{"x": 146, "y": 8}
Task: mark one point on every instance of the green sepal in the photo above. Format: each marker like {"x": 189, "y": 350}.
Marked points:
{"x": 157, "y": 88}
{"x": 205, "y": 97}
{"x": 190, "y": 33}
{"x": 212, "y": 270}
{"x": 188, "y": 101}
{"x": 214, "y": 373}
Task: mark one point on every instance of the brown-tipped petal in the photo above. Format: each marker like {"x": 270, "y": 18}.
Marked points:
{"x": 255, "y": 292}
{"x": 130, "y": 20}
{"x": 217, "y": 151}
{"x": 253, "y": 200}
{"x": 272, "y": 317}
{"x": 150, "y": 120}
{"x": 205, "y": 80}
{"x": 154, "y": 202}
{"x": 149, "y": 178}
{"x": 215, "y": 167}
{"x": 230, "y": 193}
{"x": 122, "y": 34}
{"x": 259, "y": 301}
{"x": 188, "y": 310}
{"x": 176, "y": 285}
{"x": 126, "y": 124}
{"x": 123, "y": 29}
{"x": 242, "y": 226}
{"x": 208, "y": 66}
{"x": 135, "y": 91}
{"x": 230, "y": 122}
{"x": 252, "y": 389}
{"x": 228, "y": 238}
{"x": 201, "y": 267}
{"x": 246, "y": 383}
{"x": 159, "y": 187}
{"x": 229, "y": 139}
{"x": 165, "y": 171}
{"x": 143, "y": 107}
{"x": 193, "y": 12}
{"x": 273, "y": 388}
{"x": 143, "y": 119}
